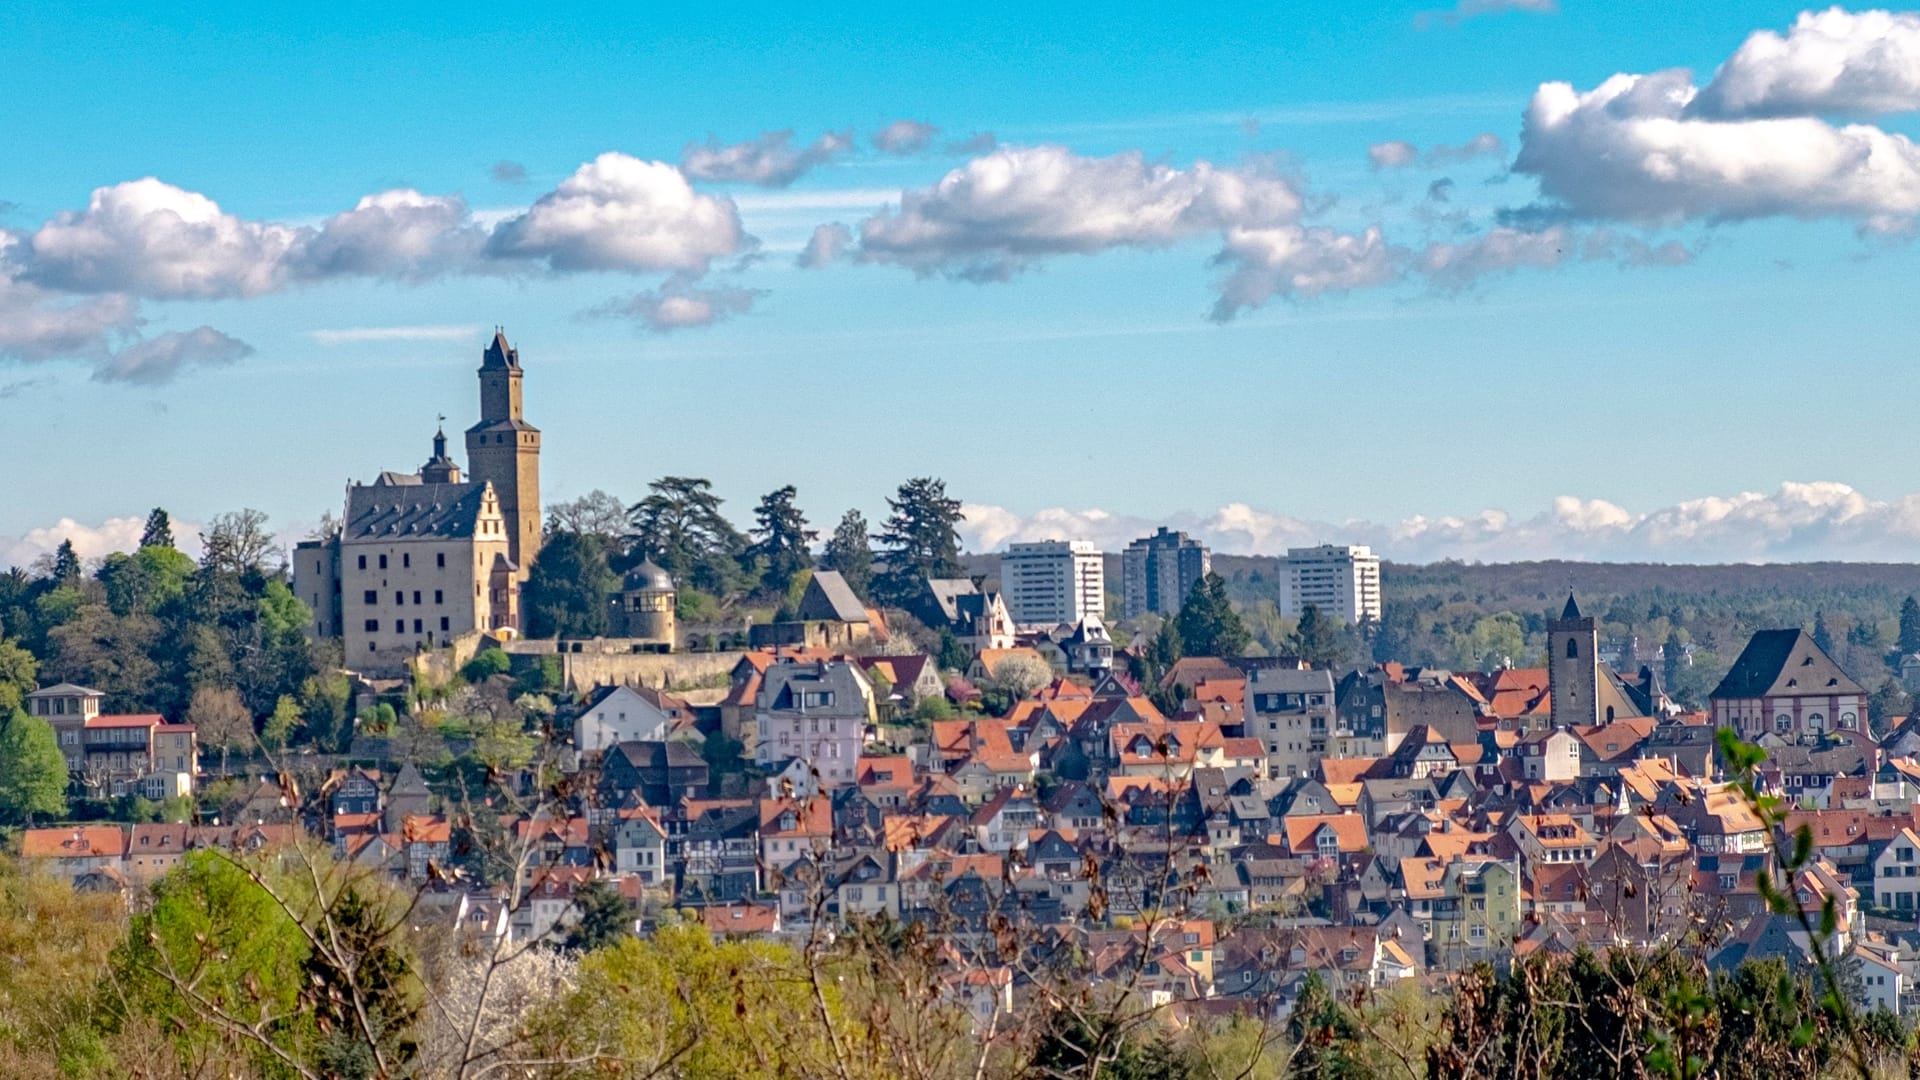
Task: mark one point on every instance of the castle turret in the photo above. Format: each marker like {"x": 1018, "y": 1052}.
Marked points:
{"x": 440, "y": 469}
{"x": 505, "y": 449}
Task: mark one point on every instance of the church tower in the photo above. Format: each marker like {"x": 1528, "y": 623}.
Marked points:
{"x": 1573, "y": 668}
{"x": 505, "y": 449}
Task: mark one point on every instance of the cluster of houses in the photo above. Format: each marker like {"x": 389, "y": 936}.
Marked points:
{"x": 1263, "y": 823}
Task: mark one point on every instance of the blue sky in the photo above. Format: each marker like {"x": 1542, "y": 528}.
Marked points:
{"x": 1430, "y": 347}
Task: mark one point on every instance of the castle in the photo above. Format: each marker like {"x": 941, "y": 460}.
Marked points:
{"x": 420, "y": 558}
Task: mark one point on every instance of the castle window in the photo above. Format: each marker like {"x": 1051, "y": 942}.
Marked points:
{"x": 441, "y": 558}
{"x": 373, "y": 626}
{"x": 399, "y": 599}
{"x": 399, "y": 626}
{"x": 363, "y": 562}
{"x": 416, "y": 626}
{"x": 406, "y": 560}
{"x": 416, "y": 598}
{"x": 383, "y": 562}
{"x": 372, "y": 597}
{"x": 439, "y": 597}
{"x": 444, "y": 624}
{"x": 1573, "y": 649}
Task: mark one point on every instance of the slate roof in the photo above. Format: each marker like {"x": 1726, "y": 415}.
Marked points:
{"x": 1784, "y": 663}
{"x": 420, "y": 512}
{"x": 828, "y": 596}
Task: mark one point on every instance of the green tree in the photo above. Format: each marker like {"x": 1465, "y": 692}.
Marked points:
{"x": 1822, "y": 637}
{"x": 680, "y": 526}
{"x": 1208, "y": 625}
{"x": 485, "y": 665}
{"x": 158, "y": 532}
{"x": 567, "y": 590}
{"x": 1909, "y": 626}
{"x": 849, "y": 552}
{"x": 781, "y": 540}
{"x": 281, "y": 725}
{"x": 66, "y": 564}
{"x": 360, "y": 991}
{"x": 919, "y": 540}
{"x": 18, "y": 670}
{"x": 325, "y": 698}
{"x": 33, "y": 774}
{"x": 1320, "y": 640}
{"x": 605, "y": 917}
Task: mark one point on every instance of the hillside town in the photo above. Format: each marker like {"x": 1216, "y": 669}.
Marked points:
{"x": 985, "y": 760}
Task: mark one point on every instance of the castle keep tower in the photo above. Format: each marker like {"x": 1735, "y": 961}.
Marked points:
{"x": 504, "y": 449}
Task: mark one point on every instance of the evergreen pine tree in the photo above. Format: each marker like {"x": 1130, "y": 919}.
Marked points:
{"x": 1909, "y": 626}
{"x": 919, "y": 539}
{"x": 159, "y": 530}
{"x": 1207, "y": 623}
{"x": 781, "y": 540}
{"x": 850, "y": 553}
{"x": 66, "y": 564}
{"x": 1319, "y": 640}
{"x": 1822, "y": 637}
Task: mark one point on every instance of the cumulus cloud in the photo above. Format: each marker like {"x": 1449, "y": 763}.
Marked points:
{"x": 682, "y": 303}
{"x": 1648, "y": 148}
{"x": 91, "y": 541}
{"x": 1292, "y": 261}
{"x": 400, "y": 234}
{"x": 620, "y": 213}
{"x": 1473, "y": 9}
{"x": 905, "y": 136}
{"x": 771, "y": 160}
{"x": 1395, "y": 154}
{"x": 827, "y": 244}
{"x": 997, "y": 214}
{"x": 1832, "y": 62}
{"x": 159, "y": 359}
{"x": 1798, "y": 521}
{"x": 160, "y": 241}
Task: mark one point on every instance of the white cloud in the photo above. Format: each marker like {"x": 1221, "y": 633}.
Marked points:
{"x": 1796, "y": 522}
{"x": 354, "y": 335}
{"x": 827, "y": 244}
{"x": 1394, "y": 154}
{"x": 995, "y": 215}
{"x": 159, "y": 241}
{"x": 398, "y": 234}
{"x": 38, "y": 325}
{"x": 158, "y": 359}
{"x": 1290, "y": 261}
{"x": 681, "y": 303}
{"x": 1832, "y": 62}
{"x": 771, "y": 160}
{"x": 905, "y": 136}
{"x": 1633, "y": 149}
{"x": 91, "y": 541}
{"x": 620, "y": 213}
{"x": 1456, "y": 266}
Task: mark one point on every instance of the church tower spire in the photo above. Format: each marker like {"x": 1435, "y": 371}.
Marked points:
{"x": 1573, "y": 668}
{"x": 504, "y": 449}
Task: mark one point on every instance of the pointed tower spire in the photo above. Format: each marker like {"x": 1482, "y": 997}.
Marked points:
{"x": 1572, "y": 609}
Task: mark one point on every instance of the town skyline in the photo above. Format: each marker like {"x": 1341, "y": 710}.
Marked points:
{"x": 1384, "y": 216}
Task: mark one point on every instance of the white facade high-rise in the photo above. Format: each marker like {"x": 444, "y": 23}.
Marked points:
{"x": 1049, "y": 582}
{"x": 1343, "y": 582}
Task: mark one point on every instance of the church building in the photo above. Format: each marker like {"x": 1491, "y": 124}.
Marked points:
{"x": 423, "y": 557}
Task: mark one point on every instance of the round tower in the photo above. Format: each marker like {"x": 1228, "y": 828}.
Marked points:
{"x": 647, "y": 600}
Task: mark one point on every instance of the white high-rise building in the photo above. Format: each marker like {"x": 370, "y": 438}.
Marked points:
{"x": 1343, "y": 582}
{"x": 1049, "y": 582}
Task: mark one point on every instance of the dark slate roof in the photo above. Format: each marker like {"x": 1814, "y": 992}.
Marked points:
{"x": 828, "y": 596}
{"x": 501, "y": 425}
{"x": 1572, "y": 610}
{"x": 946, "y": 591}
{"x": 499, "y": 354}
{"x": 413, "y": 512}
{"x": 648, "y": 575}
{"x": 1784, "y": 663}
